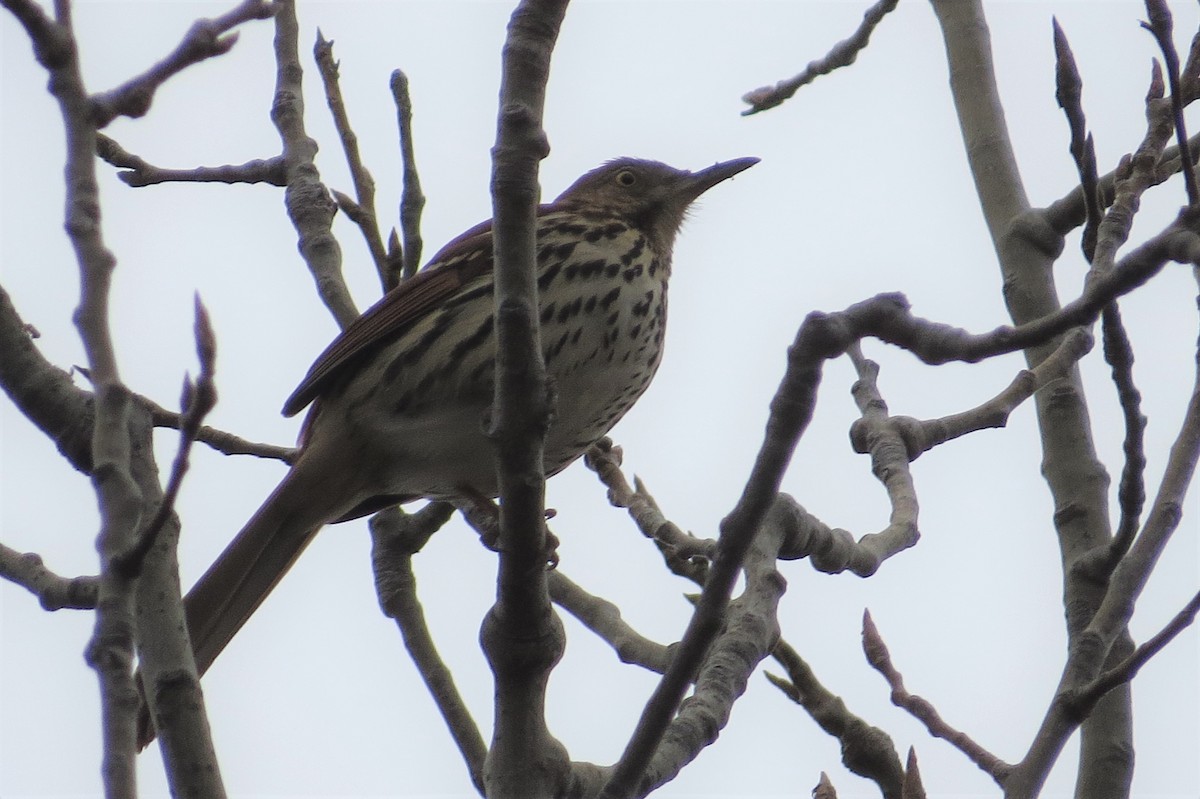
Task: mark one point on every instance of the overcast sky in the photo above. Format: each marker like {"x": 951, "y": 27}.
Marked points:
{"x": 863, "y": 188}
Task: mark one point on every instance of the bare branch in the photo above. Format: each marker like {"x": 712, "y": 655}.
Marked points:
{"x": 53, "y": 592}
{"x": 140, "y": 173}
{"x": 1083, "y": 150}
{"x": 198, "y": 399}
{"x": 1084, "y": 699}
{"x": 843, "y": 54}
{"x": 684, "y": 554}
{"x": 52, "y": 42}
{"x": 922, "y": 435}
{"x": 1093, "y": 644}
{"x": 309, "y": 205}
{"x": 111, "y": 647}
{"x": 604, "y": 619}
{"x": 521, "y": 636}
{"x": 1161, "y": 27}
{"x": 396, "y": 536}
{"x": 913, "y": 789}
{"x": 220, "y": 440}
{"x": 362, "y": 210}
{"x": 45, "y": 394}
{"x": 205, "y": 39}
{"x": 412, "y": 200}
{"x": 877, "y": 655}
{"x": 866, "y": 750}
{"x": 749, "y": 631}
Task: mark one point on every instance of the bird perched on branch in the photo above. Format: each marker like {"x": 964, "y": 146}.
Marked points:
{"x": 399, "y": 397}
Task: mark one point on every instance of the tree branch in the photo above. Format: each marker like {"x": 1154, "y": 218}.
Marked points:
{"x": 205, "y": 39}
{"x": 878, "y": 656}
{"x": 412, "y": 200}
{"x": 842, "y": 54}
{"x": 866, "y": 750}
{"x": 522, "y": 637}
{"x": 198, "y": 399}
{"x": 309, "y": 205}
{"x": 684, "y": 554}
{"x": 360, "y": 210}
{"x": 141, "y": 173}
{"x": 53, "y": 592}
{"x": 396, "y": 536}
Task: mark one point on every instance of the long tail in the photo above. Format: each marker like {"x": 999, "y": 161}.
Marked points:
{"x": 313, "y": 493}
{"x": 242, "y": 577}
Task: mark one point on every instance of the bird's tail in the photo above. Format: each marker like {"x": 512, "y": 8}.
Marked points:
{"x": 246, "y": 572}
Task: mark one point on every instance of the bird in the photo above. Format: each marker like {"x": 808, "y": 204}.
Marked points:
{"x": 397, "y": 401}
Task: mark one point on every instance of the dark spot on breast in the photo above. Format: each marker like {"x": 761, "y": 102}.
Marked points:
{"x": 569, "y": 310}
{"x": 469, "y": 343}
{"x": 609, "y": 298}
{"x": 548, "y": 274}
{"x": 634, "y": 251}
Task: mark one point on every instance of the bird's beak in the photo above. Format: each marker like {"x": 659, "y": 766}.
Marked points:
{"x": 696, "y": 183}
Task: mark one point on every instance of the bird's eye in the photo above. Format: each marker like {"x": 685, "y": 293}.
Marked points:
{"x": 626, "y": 178}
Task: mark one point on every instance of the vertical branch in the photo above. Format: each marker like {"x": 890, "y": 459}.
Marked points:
{"x": 1161, "y": 26}
{"x": 309, "y": 205}
{"x": 362, "y": 209}
{"x": 521, "y": 635}
{"x": 1078, "y": 482}
{"x": 1070, "y": 99}
{"x": 412, "y": 199}
{"x": 395, "y": 537}
{"x": 110, "y": 650}
{"x": 1118, "y": 352}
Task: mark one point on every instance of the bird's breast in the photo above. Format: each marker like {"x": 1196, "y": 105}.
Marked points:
{"x": 602, "y": 291}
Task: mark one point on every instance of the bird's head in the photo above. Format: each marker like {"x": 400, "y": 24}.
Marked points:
{"x": 653, "y": 196}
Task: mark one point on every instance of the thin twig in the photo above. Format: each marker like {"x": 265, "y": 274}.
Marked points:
{"x": 842, "y": 54}
{"x": 205, "y": 39}
{"x": 866, "y": 750}
{"x": 396, "y": 536}
{"x": 412, "y": 200}
{"x": 922, "y": 435}
{"x": 198, "y": 399}
{"x": 1070, "y": 98}
{"x": 219, "y": 440}
{"x": 1131, "y": 492}
{"x": 1161, "y": 25}
{"x": 684, "y": 554}
{"x": 877, "y": 655}
{"x": 28, "y": 570}
{"x": 361, "y": 210}
{"x": 140, "y": 172}
{"x": 604, "y": 619}
{"x": 1083, "y": 700}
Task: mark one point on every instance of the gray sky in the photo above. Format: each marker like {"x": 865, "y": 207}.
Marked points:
{"x": 863, "y": 188}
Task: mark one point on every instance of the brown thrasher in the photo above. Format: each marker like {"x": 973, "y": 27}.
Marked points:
{"x": 399, "y": 397}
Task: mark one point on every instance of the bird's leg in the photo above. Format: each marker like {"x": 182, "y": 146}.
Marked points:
{"x": 483, "y": 514}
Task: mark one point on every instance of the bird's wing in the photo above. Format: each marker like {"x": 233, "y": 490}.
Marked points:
{"x": 466, "y": 258}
